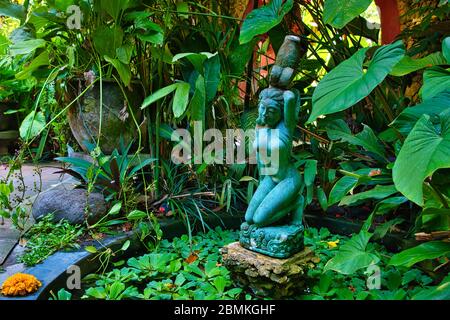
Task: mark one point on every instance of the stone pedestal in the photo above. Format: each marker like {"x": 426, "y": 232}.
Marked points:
{"x": 267, "y": 276}
{"x": 281, "y": 241}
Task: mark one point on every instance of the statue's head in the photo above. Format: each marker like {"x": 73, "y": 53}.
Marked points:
{"x": 270, "y": 107}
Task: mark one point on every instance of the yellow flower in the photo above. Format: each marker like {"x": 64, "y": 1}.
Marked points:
{"x": 20, "y": 284}
{"x": 332, "y": 244}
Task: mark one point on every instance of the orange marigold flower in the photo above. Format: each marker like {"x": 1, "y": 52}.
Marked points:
{"x": 20, "y": 284}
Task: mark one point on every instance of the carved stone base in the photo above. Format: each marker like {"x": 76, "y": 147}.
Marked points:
{"x": 267, "y": 276}
{"x": 276, "y": 241}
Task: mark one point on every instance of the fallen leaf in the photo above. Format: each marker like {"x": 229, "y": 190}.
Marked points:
{"x": 192, "y": 257}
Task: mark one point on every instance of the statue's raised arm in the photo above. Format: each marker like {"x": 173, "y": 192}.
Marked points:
{"x": 291, "y": 109}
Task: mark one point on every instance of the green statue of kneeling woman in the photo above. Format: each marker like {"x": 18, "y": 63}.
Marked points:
{"x": 273, "y": 221}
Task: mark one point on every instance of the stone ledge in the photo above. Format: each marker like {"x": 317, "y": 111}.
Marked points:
{"x": 267, "y": 276}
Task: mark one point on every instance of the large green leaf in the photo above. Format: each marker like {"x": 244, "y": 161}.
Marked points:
{"x": 340, "y": 12}
{"x": 408, "y": 64}
{"x": 26, "y": 47}
{"x": 181, "y": 99}
{"x": 345, "y": 184}
{"x": 352, "y": 256}
{"x": 446, "y": 49}
{"x": 124, "y": 53}
{"x": 240, "y": 56}
{"x": 386, "y": 205}
{"x": 4, "y": 44}
{"x": 425, "y": 150}
{"x": 424, "y": 251}
{"x": 212, "y": 76}
{"x": 32, "y": 125}
{"x": 366, "y": 139}
{"x": 379, "y": 192}
{"x": 432, "y": 107}
{"x": 40, "y": 60}
{"x": 107, "y": 40}
{"x": 159, "y": 94}
{"x": 435, "y": 81}
{"x": 12, "y": 10}
{"x": 198, "y": 101}
{"x": 148, "y": 30}
{"x": 440, "y": 292}
{"x": 310, "y": 172}
{"x": 349, "y": 83}
{"x": 114, "y": 8}
{"x": 261, "y": 20}
{"x": 197, "y": 59}
{"x": 122, "y": 68}
{"x": 435, "y": 219}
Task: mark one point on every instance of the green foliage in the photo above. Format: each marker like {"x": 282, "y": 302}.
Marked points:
{"x": 349, "y": 83}
{"x": 428, "y": 147}
{"x": 204, "y": 78}
{"x": 263, "y": 19}
{"x": 47, "y": 237}
{"x": 424, "y": 251}
{"x": 408, "y": 65}
{"x": 440, "y": 292}
{"x": 181, "y": 269}
{"x": 366, "y": 139}
{"x": 435, "y": 81}
{"x": 340, "y": 12}
{"x": 32, "y": 125}
{"x": 161, "y": 93}
{"x": 18, "y": 214}
{"x": 327, "y": 283}
{"x": 62, "y": 295}
{"x": 113, "y": 174}
{"x": 433, "y": 107}
{"x": 379, "y": 192}
{"x": 12, "y": 10}
{"x": 353, "y": 256}
{"x": 446, "y": 49}
{"x": 347, "y": 183}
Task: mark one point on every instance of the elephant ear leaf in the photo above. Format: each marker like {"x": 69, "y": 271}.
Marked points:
{"x": 263, "y": 19}
{"x": 426, "y": 149}
{"x": 353, "y": 255}
{"x": 349, "y": 83}
{"x": 340, "y": 12}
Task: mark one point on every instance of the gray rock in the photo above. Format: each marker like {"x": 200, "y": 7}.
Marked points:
{"x": 69, "y": 205}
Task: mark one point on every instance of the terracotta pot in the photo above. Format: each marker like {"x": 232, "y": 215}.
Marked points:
{"x": 117, "y": 120}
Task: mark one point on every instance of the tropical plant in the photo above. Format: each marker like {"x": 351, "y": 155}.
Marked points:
{"x": 416, "y": 135}
{"x": 47, "y": 237}
{"x": 176, "y": 270}
{"x": 116, "y": 175}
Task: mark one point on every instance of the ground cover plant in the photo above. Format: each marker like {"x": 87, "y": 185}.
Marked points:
{"x": 181, "y": 270}
{"x": 47, "y": 237}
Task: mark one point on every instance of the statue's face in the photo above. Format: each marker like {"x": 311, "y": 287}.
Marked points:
{"x": 269, "y": 113}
